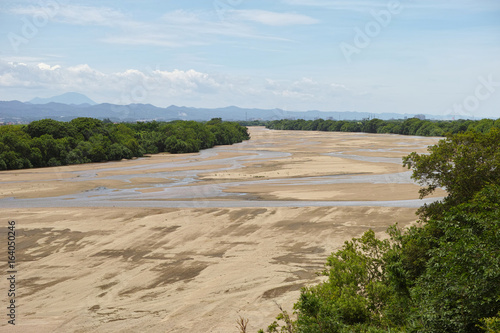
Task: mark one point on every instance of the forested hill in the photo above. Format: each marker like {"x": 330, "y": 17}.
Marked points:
{"x": 412, "y": 126}
{"x": 49, "y": 142}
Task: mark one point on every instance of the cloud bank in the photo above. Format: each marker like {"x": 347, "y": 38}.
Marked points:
{"x": 166, "y": 87}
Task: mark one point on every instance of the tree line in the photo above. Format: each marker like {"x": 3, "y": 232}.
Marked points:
{"x": 441, "y": 276}
{"x": 411, "y": 126}
{"x": 49, "y": 142}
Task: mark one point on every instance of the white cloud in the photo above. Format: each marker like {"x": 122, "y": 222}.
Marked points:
{"x": 84, "y": 15}
{"x": 364, "y": 5}
{"x": 306, "y": 89}
{"x": 74, "y": 14}
{"x": 84, "y": 78}
{"x": 337, "y": 86}
{"x": 182, "y": 17}
{"x": 151, "y": 39}
{"x": 166, "y": 87}
{"x": 355, "y": 5}
{"x": 271, "y": 18}
{"x": 45, "y": 67}
{"x": 179, "y": 28}
{"x": 182, "y": 28}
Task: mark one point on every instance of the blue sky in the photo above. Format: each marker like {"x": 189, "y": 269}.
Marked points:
{"x": 407, "y": 56}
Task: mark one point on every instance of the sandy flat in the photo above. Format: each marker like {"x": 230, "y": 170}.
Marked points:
{"x": 174, "y": 270}
{"x": 154, "y": 269}
{"x": 305, "y": 165}
{"x": 138, "y": 171}
{"x": 50, "y": 189}
{"x": 335, "y": 192}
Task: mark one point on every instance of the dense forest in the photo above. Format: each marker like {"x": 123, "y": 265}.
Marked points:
{"x": 49, "y": 142}
{"x": 441, "y": 276}
{"x": 412, "y": 126}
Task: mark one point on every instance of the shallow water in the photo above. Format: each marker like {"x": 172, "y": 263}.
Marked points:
{"x": 67, "y": 202}
{"x": 185, "y": 189}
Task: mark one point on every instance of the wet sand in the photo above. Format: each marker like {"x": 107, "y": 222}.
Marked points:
{"x": 188, "y": 243}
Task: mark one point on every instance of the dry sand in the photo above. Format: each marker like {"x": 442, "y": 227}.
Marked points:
{"x": 98, "y": 269}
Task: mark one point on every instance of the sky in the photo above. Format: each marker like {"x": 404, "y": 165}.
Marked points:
{"x": 434, "y": 57}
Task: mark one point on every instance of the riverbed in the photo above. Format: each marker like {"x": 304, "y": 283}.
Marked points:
{"x": 188, "y": 243}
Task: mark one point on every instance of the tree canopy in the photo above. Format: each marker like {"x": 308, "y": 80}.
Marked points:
{"x": 49, "y": 142}
{"x": 411, "y": 126}
{"x": 462, "y": 164}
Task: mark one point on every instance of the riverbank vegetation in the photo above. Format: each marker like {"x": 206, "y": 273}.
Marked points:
{"x": 442, "y": 275}
{"x": 412, "y": 126}
{"x": 49, "y": 142}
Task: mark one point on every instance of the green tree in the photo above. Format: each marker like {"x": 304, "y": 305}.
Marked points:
{"x": 87, "y": 127}
{"x": 355, "y": 296}
{"x": 175, "y": 145}
{"x": 459, "y": 282}
{"x": 462, "y": 164}
{"x": 50, "y": 143}
{"x": 482, "y": 126}
{"x": 56, "y": 129}
{"x": 351, "y": 126}
{"x": 373, "y": 125}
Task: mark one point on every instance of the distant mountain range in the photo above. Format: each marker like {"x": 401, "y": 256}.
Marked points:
{"x": 70, "y": 98}
{"x": 73, "y": 105}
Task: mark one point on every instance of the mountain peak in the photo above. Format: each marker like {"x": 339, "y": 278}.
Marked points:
{"x": 66, "y": 98}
